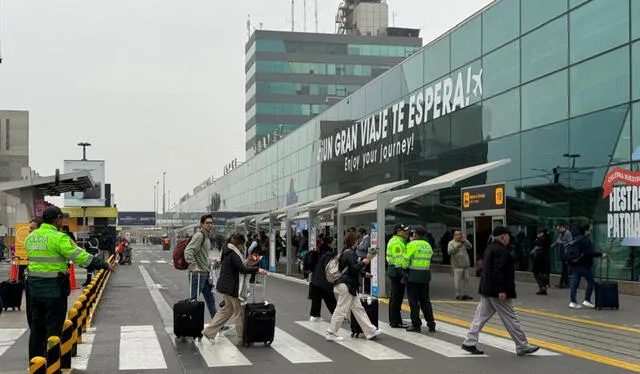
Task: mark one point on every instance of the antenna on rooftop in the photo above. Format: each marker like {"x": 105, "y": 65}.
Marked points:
{"x": 316, "y": 14}
{"x": 293, "y": 16}
{"x": 248, "y": 26}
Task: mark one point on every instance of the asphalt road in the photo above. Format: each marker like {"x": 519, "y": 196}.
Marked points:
{"x": 132, "y": 332}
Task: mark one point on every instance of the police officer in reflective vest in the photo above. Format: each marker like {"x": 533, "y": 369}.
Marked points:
{"x": 416, "y": 262}
{"x": 395, "y": 249}
{"x": 49, "y": 251}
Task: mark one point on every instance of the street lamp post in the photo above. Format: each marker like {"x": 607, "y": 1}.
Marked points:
{"x": 164, "y": 174}
{"x": 155, "y": 210}
{"x": 156, "y": 202}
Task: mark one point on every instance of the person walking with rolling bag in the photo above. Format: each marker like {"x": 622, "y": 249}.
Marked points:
{"x": 231, "y": 284}
{"x": 580, "y": 254}
{"x": 196, "y": 254}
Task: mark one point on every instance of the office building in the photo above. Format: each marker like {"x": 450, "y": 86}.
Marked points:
{"x": 14, "y": 155}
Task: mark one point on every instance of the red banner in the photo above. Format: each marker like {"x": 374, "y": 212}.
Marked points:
{"x": 619, "y": 175}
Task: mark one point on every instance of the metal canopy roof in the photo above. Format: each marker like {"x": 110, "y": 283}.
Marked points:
{"x": 327, "y": 200}
{"x": 438, "y": 183}
{"x": 373, "y": 191}
{"x": 70, "y": 182}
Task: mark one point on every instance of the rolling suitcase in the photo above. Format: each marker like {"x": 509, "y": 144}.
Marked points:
{"x": 606, "y": 291}
{"x": 370, "y": 304}
{"x": 11, "y": 294}
{"x": 188, "y": 316}
{"x": 259, "y": 320}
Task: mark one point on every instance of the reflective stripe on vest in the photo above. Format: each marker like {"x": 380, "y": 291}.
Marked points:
{"x": 43, "y": 274}
{"x": 422, "y": 253}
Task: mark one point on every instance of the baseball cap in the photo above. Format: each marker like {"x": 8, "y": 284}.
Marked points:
{"x": 400, "y": 227}
{"x": 52, "y": 213}
{"x": 419, "y": 229}
{"x": 500, "y": 230}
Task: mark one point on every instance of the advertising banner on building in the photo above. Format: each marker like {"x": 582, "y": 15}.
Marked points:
{"x": 136, "y": 219}
{"x": 92, "y": 197}
{"x": 622, "y": 187}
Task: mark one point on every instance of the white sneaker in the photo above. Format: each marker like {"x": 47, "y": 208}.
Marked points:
{"x": 373, "y": 334}
{"x": 333, "y": 337}
{"x": 575, "y": 306}
{"x": 587, "y": 304}
{"x": 315, "y": 319}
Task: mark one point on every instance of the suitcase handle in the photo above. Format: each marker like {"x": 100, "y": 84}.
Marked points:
{"x": 264, "y": 289}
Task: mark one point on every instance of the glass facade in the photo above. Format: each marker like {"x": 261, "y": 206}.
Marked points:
{"x": 551, "y": 85}
{"x": 320, "y": 68}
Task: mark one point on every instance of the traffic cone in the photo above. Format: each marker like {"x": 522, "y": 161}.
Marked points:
{"x": 13, "y": 271}
{"x": 72, "y": 277}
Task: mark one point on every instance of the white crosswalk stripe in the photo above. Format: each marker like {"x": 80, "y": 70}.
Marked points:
{"x": 161, "y": 261}
{"x": 222, "y": 353}
{"x": 140, "y": 349}
{"x": 145, "y": 261}
{"x": 294, "y": 350}
{"x": 81, "y": 361}
{"x": 427, "y": 342}
{"x": 366, "y": 348}
{"x": 8, "y": 337}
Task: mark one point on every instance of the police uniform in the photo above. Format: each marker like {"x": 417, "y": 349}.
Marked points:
{"x": 49, "y": 251}
{"x": 395, "y": 250}
{"x": 416, "y": 263}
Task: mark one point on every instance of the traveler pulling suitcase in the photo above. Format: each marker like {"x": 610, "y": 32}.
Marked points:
{"x": 11, "y": 294}
{"x": 606, "y": 291}
{"x": 259, "y": 320}
{"x": 188, "y": 316}
{"x": 370, "y": 304}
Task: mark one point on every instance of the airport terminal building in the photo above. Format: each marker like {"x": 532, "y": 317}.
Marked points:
{"x": 553, "y": 86}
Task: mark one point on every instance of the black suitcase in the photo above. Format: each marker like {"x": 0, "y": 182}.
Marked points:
{"x": 188, "y": 316}
{"x": 259, "y": 320}
{"x": 370, "y": 304}
{"x": 606, "y": 292}
{"x": 11, "y": 294}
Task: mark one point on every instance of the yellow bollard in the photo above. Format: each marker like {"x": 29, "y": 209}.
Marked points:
{"x": 73, "y": 315}
{"x": 67, "y": 345}
{"x": 38, "y": 365}
{"x": 53, "y": 355}
{"x": 83, "y": 315}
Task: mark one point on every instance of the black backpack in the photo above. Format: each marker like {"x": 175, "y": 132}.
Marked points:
{"x": 572, "y": 252}
{"x": 310, "y": 260}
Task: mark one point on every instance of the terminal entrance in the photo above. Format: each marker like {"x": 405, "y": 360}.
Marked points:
{"x": 483, "y": 209}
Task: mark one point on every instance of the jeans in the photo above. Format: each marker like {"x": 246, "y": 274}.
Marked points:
{"x": 47, "y": 318}
{"x": 205, "y": 288}
{"x": 564, "y": 277}
{"x": 576, "y": 274}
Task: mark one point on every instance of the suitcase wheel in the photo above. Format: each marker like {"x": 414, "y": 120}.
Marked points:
{"x": 268, "y": 343}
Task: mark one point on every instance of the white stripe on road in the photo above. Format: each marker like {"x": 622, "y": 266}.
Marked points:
{"x": 161, "y": 261}
{"x": 144, "y": 261}
{"x": 427, "y": 342}
{"x": 166, "y": 313}
{"x": 140, "y": 349}
{"x": 488, "y": 339}
{"x": 363, "y": 347}
{"x": 294, "y": 350}
{"x": 8, "y": 337}
{"x": 81, "y": 361}
{"x": 223, "y": 353}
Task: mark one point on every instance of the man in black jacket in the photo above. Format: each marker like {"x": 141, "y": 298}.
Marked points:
{"x": 498, "y": 290}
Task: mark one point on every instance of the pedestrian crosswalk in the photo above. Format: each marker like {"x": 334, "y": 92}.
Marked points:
{"x": 139, "y": 346}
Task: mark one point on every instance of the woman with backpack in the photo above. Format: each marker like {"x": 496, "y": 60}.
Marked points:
{"x": 347, "y": 287}
{"x": 319, "y": 288}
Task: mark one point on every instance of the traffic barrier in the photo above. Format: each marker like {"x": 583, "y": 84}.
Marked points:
{"x": 67, "y": 345}
{"x": 53, "y": 355}
{"x": 73, "y": 315}
{"x": 38, "y": 365}
{"x": 83, "y": 314}
{"x": 72, "y": 277}
{"x": 13, "y": 270}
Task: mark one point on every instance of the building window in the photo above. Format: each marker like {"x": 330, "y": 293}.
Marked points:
{"x": 600, "y": 83}
{"x": 635, "y": 74}
{"x": 436, "y": 60}
{"x": 501, "y": 69}
{"x": 545, "y": 100}
{"x": 542, "y": 152}
{"x": 598, "y": 26}
{"x": 535, "y": 13}
{"x": 545, "y": 50}
{"x": 635, "y": 19}
{"x": 269, "y": 45}
{"x": 575, "y": 3}
{"x": 413, "y": 72}
{"x": 635, "y": 132}
{"x": 501, "y": 115}
{"x": 466, "y": 43}
{"x": 508, "y": 147}
{"x": 500, "y": 24}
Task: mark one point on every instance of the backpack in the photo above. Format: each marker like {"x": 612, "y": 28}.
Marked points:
{"x": 332, "y": 270}
{"x": 310, "y": 260}
{"x": 179, "y": 261}
{"x": 572, "y": 252}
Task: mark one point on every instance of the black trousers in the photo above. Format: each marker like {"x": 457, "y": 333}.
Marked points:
{"x": 419, "y": 299}
{"x": 47, "y": 319}
{"x": 317, "y": 295}
{"x": 395, "y": 301}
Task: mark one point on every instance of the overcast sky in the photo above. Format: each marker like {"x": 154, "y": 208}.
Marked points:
{"x": 154, "y": 85}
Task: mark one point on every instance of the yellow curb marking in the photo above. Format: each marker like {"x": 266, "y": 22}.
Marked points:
{"x": 544, "y": 344}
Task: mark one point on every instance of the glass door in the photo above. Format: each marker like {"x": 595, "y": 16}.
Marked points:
{"x": 469, "y": 232}
{"x": 497, "y": 221}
